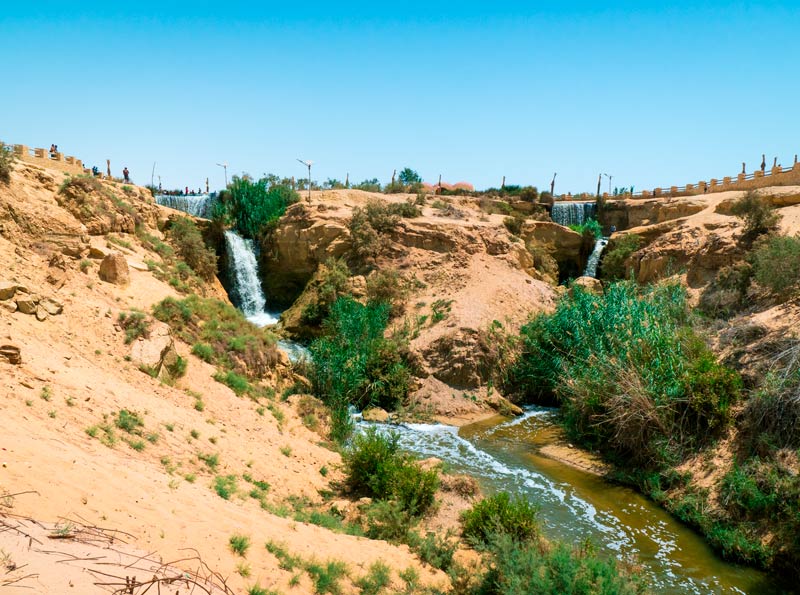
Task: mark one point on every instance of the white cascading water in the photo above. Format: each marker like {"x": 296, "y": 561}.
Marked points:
{"x": 246, "y": 284}
{"x": 197, "y": 206}
{"x": 572, "y": 213}
{"x": 594, "y": 258}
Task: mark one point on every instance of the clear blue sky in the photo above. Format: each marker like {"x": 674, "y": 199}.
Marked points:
{"x": 471, "y": 90}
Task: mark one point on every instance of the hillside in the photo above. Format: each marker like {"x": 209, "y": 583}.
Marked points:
{"x": 70, "y": 449}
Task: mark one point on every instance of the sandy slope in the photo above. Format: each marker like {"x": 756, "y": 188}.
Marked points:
{"x": 77, "y": 361}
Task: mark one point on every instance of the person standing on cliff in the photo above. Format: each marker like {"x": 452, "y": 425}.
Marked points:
{"x": 763, "y": 163}
{"x": 126, "y": 174}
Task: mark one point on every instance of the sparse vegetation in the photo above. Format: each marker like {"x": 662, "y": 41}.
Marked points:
{"x": 135, "y": 325}
{"x": 191, "y": 248}
{"x": 757, "y": 215}
{"x": 239, "y": 544}
{"x": 225, "y": 486}
{"x": 776, "y": 265}
{"x": 242, "y": 351}
{"x": 6, "y": 163}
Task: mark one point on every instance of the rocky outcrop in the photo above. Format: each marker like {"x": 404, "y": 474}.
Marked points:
{"x": 105, "y": 208}
{"x": 624, "y": 214}
{"x": 569, "y": 248}
{"x": 589, "y": 284}
{"x": 16, "y": 298}
{"x": 156, "y": 352}
{"x": 11, "y": 354}
{"x": 297, "y": 247}
{"x": 114, "y": 269}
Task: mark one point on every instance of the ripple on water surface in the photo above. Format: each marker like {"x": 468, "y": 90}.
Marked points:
{"x": 575, "y": 505}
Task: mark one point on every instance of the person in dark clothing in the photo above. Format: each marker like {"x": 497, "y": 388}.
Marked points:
{"x": 126, "y": 174}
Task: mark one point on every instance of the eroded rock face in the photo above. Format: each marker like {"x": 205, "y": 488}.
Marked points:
{"x": 569, "y": 248}
{"x": 11, "y": 354}
{"x": 298, "y": 246}
{"x": 456, "y": 359}
{"x": 624, "y": 214}
{"x": 696, "y": 251}
{"x": 114, "y": 269}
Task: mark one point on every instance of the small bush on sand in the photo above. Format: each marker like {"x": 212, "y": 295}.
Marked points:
{"x": 135, "y": 325}
{"x": 757, "y": 215}
{"x": 239, "y": 544}
{"x": 776, "y": 265}
{"x": 375, "y": 467}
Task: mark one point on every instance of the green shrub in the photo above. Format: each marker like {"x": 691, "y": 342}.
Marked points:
{"x": 776, "y": 265}
{"x": 191, "y": 248}
{"x": 757, "y": 215}
{"x": 239, "y": 544}
{"x": 225, "y": 486}
{"x": 234, "y": 381}
{"x": 387, "y": 286}
{"x": 515, "y": 517}
{"x": 514, "y": 223}
{"x": 744, "y": 496}
{"x": 372, "y": 185}
{"x": 727, "y": 294}
{"x": 212, "y": 461}
{"x": 387, "y": 520}
{"x": 632, "y": 381}
{"x": 375, "y": 467}
{"x": 712, "y": 389}
{"x": 6, "y": 163}
{"x": 376, "y": 580}
{"x": 254, "y": 207}
{"x": 613, "y": 266}
{"x": 524, "y": 568}
{"x": 129, "y": 421}
{"x": 177, "y": 369}
{"x": 204, "y": 351}
{"x": 353, "y": 364}
{"x": 327, "y": 577}
{"x": 331, "y": 283}
{"x": 433, "y": 549}
{"x": 135, "y": 325}
{"x": 590, "y": 228}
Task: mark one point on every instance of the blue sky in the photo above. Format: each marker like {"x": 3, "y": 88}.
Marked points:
{"x": 653, "y": 95}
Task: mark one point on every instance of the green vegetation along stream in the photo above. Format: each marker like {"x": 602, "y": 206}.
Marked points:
{"x": 576, "y": 506}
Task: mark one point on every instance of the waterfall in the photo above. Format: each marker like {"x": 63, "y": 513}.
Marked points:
{"x": 198, "y": 206}
{"x": 246, "y": 290}
{"x": 594, "y": 258}
{"x": 572, "y": 213}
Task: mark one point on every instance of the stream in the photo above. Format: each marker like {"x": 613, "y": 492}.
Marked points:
{"x": 576, "y": 505}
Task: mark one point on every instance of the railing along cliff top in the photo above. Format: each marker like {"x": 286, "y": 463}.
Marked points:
{"x": 775, "y": 176}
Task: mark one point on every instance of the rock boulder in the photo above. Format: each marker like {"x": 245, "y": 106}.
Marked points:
{"x": 114, "y": 269}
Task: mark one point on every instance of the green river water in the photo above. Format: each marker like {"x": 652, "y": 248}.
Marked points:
{"x": 575, "y": 505}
